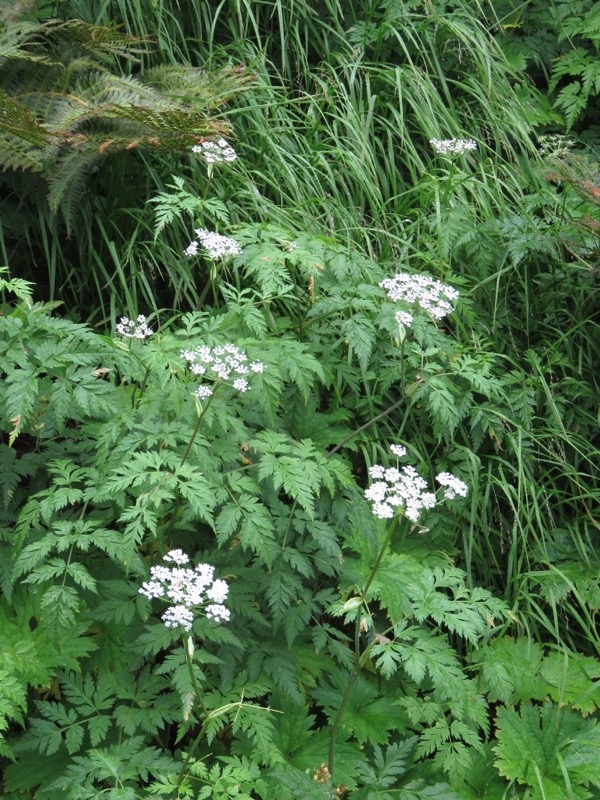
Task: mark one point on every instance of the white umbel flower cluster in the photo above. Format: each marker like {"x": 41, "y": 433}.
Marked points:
{"x": 403, "y": 490}
{"x": 444, "y": 147}
{"x": 433, "y": 296}
{"x": 395, "y": 490}
{"x": 186, "y": 590}
{"x": 134, "y": 329}
{"x": 223, "y": 364}
{"x": 216, "y": 246}
{"x": 453, "y": 486}
{"x": 215, "y": 152}
{"x": 404, "y": 319}
{"x": 555, "y": 145}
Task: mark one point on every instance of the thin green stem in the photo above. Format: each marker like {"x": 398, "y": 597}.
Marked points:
{"x": 134, "y": 397}
{"x": 189, "y": 757}
{"x": 196, "y": 429}
{"x": 173, "y": 519}
{"x": 402, "y": 377}
{"x": 448, "y": 183}
{"x": 382, "y": 549}
{"x": 368, "y": 424}
{"x": 197, "y": 692}
{"x": 359, "y": 659}
{"x": 210, "y": 283}
{"x": 200, "y": 701}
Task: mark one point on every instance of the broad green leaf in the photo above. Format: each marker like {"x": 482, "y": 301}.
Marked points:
{"x": 534, "y": 742}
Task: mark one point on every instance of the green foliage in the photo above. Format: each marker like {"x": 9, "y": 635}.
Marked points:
{"x": 455, "y": 659}
{"x": 231, "y": 777}
{"x": 518, "y": 670}
{"x": 536, "y": 751}
{"x": 64, "y": 126}
{"x": 245, "y": 485}
{"x": 559, "y": 41}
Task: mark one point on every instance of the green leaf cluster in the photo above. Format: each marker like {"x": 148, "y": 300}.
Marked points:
{"x": 63, "y": 123}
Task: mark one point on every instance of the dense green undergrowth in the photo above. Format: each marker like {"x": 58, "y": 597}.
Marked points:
{"x": 451, "y": 654}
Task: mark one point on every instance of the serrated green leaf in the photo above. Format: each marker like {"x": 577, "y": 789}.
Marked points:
{"x": 533, "y": 743}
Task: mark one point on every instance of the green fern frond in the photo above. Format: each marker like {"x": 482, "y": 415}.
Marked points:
{"x": 98, "y": 40}
{"x": 68, "y": 180}
{"x": 18, "y": 40}
{"x": 61, "y": 116}
{"x": 189, "y": 84}
{"x": 18, "y": 121}
{"x": 16, "y": 154}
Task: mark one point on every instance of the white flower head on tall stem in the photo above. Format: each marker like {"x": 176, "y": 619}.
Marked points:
{"x": 226, "y": 364}
{"x": 217, "y": 246}
{"x": 555, "y": 145}
{"x": 215, "y": 152}
{"x": 134, "y": 329}
{"x": 188, "y": 591}
{"x": 402, "y": 490}
{"x": 445, "y": 147}
{"x": 420, "y": 291}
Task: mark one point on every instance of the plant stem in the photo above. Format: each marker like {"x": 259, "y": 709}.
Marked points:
{"x": 205, "y": 711}
{"x": 197, "y": 693}
{"x": 196, "y": 429}
{"x": 372, "y": 421}
{"x": 358, "y": 658}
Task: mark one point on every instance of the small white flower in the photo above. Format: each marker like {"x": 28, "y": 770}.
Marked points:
{"x": 412, "y": 512}
{"x": 134, "y": 329}
{"x": 217, "y": 612}
{"x": 205, "y": 573}
{"x": 433, "y": 296}
{"x": 204, "y": 354}
{"x": 452, "y": 146}
{"x": 177, "y": 556}
{"x": 203, "y": 391}
{"x": 222, "y": 363}
{"x": 428, "y": 500}
{"x": 186, "y": 590}
{"x": 191, "y": 249}
{"x": 178, "y": 616}
{"x": 383, "y": 510}
{"x": 402, "y": 489}
{"x": 555, "y": 145}
{"x": 241, "y": 385}
{"x": 453, "y": 486}
{"x": 377, "y": 491}
{"x": 406, "y": 490}
{"x": 152, "y": 589}
{"x": 404, "y": 319}
{"x": 215, "y": 152}
{"x": 218, "y": 591}
{"x": 216, "y": 245}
